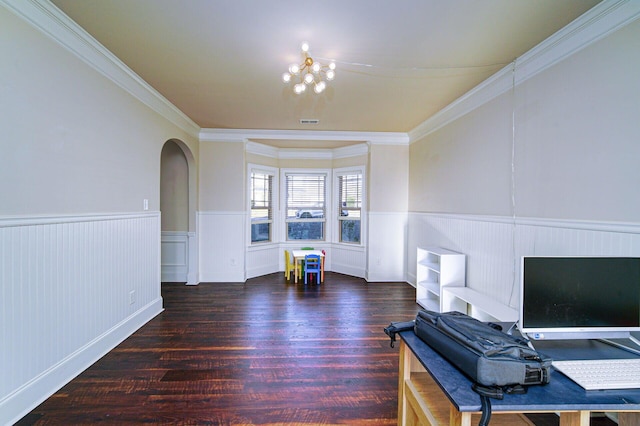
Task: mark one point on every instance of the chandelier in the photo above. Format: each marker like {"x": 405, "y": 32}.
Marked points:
{"x": 309, "y": 72}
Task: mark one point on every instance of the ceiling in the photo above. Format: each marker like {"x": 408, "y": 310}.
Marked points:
{"x": 398, "y": 62}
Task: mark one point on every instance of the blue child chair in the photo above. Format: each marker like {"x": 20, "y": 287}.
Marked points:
{"x": 312, "y": 266}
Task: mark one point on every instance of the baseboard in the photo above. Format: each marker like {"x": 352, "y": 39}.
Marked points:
{"x": 374, "y": 277}
{"x": 262, "y": 270}
{"x": 348, "y": 270}
{"x": 173, "y": 276}
{"x": 19, "y": 403}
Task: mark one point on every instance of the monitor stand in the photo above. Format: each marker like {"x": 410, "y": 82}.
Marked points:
{"x": 633, "y": 339}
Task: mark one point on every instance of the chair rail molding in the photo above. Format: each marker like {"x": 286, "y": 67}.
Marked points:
{"x": 494, "y": 245}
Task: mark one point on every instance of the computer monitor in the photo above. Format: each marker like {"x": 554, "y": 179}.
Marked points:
{"x": 579, "y": 297}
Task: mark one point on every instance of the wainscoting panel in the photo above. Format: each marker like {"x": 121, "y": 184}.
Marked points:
{"x": 72, "y": 288}
{"x": 348, "y": 260}
{"x": 494, "y": 245}
{"x": 222, "y": 241}
{"x": 264, "y": 259}
{"x": 387, "y": 246}
{"x": 175, "y": 256}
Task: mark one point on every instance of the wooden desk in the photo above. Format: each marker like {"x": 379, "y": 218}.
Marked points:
{"x": 431, "y": 391}
{"x": 298, "y": 256}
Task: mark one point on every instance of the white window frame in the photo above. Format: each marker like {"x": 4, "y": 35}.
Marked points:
{"x": 332, "y": 217}
{"x": 327, "y": 220}
{"x": 275, "y": 220}
{"x": 336, "y": 203}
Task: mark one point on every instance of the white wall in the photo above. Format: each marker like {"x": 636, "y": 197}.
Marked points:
{"x": 386, "y": 233}
{"x": 577, "y": 131}
{"x": 222, "y": 246}
{"x": 547, "y": 166}
{"x": 79, "y": 255}
{"x": 465, "y": 167}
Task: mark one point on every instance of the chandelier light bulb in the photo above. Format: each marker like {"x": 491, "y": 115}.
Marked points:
{"x": 330, "y": 74}
{"x": 309, "y": 72}
{"x": 308, "y": 78}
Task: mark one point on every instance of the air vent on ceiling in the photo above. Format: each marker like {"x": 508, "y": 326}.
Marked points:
{"x": 309, "y": 121}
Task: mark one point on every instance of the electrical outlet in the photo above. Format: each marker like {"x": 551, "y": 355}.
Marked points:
{"x": 132, "y": 297}
{"x": 145, "y": 204}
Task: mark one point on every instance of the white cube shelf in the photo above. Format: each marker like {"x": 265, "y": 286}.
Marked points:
{"x": 438, "y": 268}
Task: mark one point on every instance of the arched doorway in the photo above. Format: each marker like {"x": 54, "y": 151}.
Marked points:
{"x": 177, "y": 204}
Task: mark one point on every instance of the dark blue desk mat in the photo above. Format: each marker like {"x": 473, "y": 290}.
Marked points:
{"x": 561, "y": 394}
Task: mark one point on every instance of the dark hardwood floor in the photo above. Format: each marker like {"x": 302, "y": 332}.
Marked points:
{"x": 264, "y": 352}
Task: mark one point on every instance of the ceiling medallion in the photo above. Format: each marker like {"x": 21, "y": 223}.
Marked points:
{"x": 309, "y": 72}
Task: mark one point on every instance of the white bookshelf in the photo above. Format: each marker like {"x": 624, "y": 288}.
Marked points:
{"x": 478, "y": 305}
{"x": 438, "y": 268}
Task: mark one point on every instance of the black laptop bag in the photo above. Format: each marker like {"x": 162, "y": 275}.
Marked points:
{"x": 484, "y": 353}
{"x": 497, "y": 362}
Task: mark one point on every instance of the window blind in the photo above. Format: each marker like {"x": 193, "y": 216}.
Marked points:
{"x": 261, "y": 196}
{"x": 349, "y": 207}
{"x": 350, "y": 195}
{"x": 261, "y": 206}
{"x": 306, "y": 194}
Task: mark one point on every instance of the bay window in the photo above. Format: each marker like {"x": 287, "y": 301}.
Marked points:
{"x": 305, "y": 205}
{"x": 349, "y": 206}
{"x": 261, "y": 198}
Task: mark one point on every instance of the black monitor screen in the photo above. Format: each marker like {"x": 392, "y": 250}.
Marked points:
{"x": 580, "y": 293}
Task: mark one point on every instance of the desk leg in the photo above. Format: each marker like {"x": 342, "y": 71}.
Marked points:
{"x": 575, "y": 418}
{"x": 628, "y": 419}
{"x": 456, "y": 418}
{"x": 403, "y": 375}
{"x": 295, "y": 270}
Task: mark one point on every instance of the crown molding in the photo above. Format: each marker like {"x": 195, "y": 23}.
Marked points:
{"x": 261, "y": 149}
{"x": 306, "y": 154}
{"x": 352, "y": 151}
{"x": 489, "y": 89}
{"x": 49, "y": 20}
{"x": 595, "y": 24}
{"x": 586, "y": 225}
{"x": 34, "y": 220}
{"x": 245, "y": 135}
